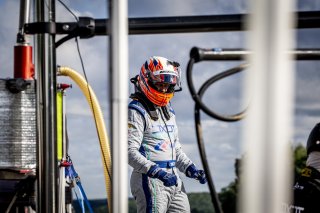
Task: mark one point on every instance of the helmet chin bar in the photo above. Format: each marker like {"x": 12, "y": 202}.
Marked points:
{"x": 156, "y": 97}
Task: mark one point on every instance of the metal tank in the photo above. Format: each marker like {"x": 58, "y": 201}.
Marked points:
{"x": 18, "y": 127}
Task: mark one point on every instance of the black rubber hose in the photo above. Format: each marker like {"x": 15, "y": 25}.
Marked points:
{"x": 214, "y": 197}
{"x": 197, "y": 99}
{"x": 199, "y": 105}
{"x": 64, "y": 39}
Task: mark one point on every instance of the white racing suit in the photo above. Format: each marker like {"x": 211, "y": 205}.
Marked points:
{"x": 149, "y": 144}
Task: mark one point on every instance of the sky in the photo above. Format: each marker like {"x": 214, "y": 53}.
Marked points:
{"x": 222, "y": 139}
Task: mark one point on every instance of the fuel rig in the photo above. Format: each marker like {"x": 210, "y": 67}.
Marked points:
{"x": 36, "y": 173}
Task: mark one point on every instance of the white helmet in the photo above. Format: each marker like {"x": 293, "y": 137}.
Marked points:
{"x": 156, "y": 72}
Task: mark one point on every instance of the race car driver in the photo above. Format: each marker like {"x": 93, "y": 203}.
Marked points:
{"x": 154, "y": 149}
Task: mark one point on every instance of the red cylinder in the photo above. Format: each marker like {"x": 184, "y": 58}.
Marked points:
{"x": 23, "y": 66}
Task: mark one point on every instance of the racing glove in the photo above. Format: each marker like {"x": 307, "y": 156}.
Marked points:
{"x": 193, "y": 172}
{"x": 168, "y": 179}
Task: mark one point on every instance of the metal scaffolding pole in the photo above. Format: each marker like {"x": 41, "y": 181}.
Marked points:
{"x": 24, "y": 13}
{"x": 45, "y": 64}
{"x": 268, "y": 126}
{"x": 88, "y": 27}
{"x": 208, "y": 23}
{"x": 225, "y": 54}
{"x": 119, "y": 75}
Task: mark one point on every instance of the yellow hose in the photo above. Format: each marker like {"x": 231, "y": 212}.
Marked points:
{"x": 100, "y": 125}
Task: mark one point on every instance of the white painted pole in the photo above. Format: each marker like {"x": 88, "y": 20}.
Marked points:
{"x": 267, "y": 180}
{"x": 119, "y": 104}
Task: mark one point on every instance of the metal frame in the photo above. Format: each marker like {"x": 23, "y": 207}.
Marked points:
{"x": 46, "y": 89}
{"x": 225, "y": 54}
{"x": 88, "y": 27}
{"x": 118, "y": 50}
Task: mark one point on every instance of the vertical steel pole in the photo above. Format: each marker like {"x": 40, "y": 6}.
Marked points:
{"x": 46, "y": 90}
{"x": 267, "y": 170}
{"x": 24, "y": 13}
{"x": 119, "y": 75}
{"x": 40, "y": 65}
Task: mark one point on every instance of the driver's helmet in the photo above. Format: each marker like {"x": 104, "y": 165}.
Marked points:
{"x": 159, "y": 78}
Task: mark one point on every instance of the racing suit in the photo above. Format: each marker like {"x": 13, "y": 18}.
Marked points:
{"x": 307, "y": 192}
{"x": 152, "y": 142}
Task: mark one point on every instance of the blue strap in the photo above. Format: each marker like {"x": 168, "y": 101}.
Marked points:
{"x": 134, "y": 105}
{"x": 80, "y": 200}
{"x": 84, "y": 196}
{"x": 71, "y": 172}
{"x": 166, "y": 164}
{"x": 81, "y": 188}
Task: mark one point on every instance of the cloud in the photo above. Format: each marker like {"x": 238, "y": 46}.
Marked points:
{"x": 8, "y": 32}
{"x": 308, "y": 5}
{"x": 145, "y": 8}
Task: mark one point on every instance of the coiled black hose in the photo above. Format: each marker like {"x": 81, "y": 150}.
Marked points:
{"x": 199, "y": 105}
{"x": 197, "y": 96}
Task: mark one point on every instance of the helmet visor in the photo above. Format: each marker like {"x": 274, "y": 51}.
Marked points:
{"x": 164, "y": 77}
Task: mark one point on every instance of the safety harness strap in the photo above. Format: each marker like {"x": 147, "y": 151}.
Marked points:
{"x": 133, "y": 105}
{"x": 148, "y": 105}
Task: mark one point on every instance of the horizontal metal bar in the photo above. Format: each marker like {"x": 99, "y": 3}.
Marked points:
{"x": 212, "y": 23}
{"x": 164, "y": 25}
{"x": 200, "y": 54}
{"x": 209, "y": 23}
{"x": 181, "y": 24}
{"x": 307, "y": 54}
